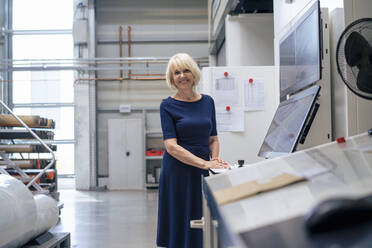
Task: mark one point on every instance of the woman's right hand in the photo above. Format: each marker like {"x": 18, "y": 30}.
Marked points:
{"x": 216, "y": 164}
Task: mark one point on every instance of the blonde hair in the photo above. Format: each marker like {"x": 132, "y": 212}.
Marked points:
{"x": 182, "y": 61}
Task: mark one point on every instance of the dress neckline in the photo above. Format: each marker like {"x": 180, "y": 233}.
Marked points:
{"x": 202, "y": 96}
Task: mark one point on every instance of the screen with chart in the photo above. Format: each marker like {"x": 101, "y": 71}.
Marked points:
{"x": 299, "y": 50}
{"x": 288, "y": 124}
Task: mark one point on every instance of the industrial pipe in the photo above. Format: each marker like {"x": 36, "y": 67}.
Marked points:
{"x": 165, "y": 60}
{"x": 147, "y": 74}
{"x": 117, "y": 79}
{"x": 129, "y": 49}
{"x": 121, "y": 48}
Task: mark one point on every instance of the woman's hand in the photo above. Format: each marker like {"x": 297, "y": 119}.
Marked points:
{"x": 218, "y": 159}
{"x": 216, "y": 163}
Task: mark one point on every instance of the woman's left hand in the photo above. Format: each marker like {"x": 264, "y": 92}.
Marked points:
{"x": 220, "y": 160}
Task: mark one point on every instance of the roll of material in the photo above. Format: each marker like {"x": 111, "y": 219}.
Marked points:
{"x": 23, "y": 164}
{"x": 51, "y": 124}
{"x": 25, "y": 134}
{"x": 47, "y": 213}
{"x": 28, "y": 148}
{"x": 18, "y": 212}
{"x": 23, "y": 216}
{"x": 28, "y": 163}
{"x": 16, "y": 148}
{"x": 7, "y": 120}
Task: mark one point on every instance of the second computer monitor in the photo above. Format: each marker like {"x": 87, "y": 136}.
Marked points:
{"x": 300, "y": 53}
{"x": 289, "y": 124}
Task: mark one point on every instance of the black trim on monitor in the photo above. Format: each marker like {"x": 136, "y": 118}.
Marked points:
{"x": 307, "y": 126}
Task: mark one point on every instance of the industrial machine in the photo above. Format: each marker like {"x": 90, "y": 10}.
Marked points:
{"x": 325, "y": 201}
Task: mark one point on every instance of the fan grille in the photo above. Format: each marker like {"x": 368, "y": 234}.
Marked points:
{"x": 349, "y": 74}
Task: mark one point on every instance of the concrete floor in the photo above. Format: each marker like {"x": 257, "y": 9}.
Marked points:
{"x": 108, "y": 219}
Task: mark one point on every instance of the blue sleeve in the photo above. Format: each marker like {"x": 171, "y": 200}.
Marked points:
{"x": 167, "y": 123}
{"x": 214, "y": 126}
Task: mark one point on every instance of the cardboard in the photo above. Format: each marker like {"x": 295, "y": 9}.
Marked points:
{"x": 251, "y": 188}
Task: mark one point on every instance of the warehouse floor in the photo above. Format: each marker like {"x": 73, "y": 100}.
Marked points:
{"x": 109, "y": 219}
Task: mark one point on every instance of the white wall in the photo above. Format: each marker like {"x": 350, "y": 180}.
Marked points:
{"x": 339, "y": 90}
{"x": 157, "y": 30}
{"x": 249, "y": 39}
{"x": 248, "y": 51}
{"x": 152, "y": 23}
{"x": 331, "y": 4}
{"x": 85, "y": 115}
{"x": 246, "y": 144}
{"x": 221, "y": 56}
{"x": 284, "y": 12}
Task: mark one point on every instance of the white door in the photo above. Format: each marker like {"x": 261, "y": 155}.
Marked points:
{"x": 125, "y": 148}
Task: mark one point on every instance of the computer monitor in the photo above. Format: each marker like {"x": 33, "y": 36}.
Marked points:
{"x": 300, "y": 53}
{"x": 291, "y": 123}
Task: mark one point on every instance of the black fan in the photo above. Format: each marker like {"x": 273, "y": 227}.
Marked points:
{"x": 354, "y": 57}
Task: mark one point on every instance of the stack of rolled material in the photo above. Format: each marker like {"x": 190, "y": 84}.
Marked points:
{"x": 28, "y": 163}
{"x": 13, "y": 148}
{"x": 24, "y": 134}
{"x": 48, "y": 178}
{"x": 29, "y": 120}
{"x": 23, "y": 164}
{"x": 23, "y": 216}
{"x": 51, "y": 124}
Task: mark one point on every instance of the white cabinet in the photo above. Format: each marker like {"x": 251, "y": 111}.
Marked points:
{"x": 125, "y": 148}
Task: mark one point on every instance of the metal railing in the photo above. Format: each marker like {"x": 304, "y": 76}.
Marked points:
{"x": 91, "y": 64}
{"x": 24, "y": 176}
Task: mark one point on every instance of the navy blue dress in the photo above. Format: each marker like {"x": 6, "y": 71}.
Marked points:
{"x": 180, "y": 197}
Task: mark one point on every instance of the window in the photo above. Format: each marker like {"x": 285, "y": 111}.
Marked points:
{"x": 42, "y": 14}
{"x": 43, "y": 31}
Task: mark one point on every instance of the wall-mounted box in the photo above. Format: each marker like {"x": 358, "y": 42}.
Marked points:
{"x": 124, "y": 108}
{"x": 80, "y": 31}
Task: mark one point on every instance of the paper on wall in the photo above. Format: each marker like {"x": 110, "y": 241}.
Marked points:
{"x": 226, "y": 91}
{"x": 254, "y": 94}
{"x": 232, "y": 120}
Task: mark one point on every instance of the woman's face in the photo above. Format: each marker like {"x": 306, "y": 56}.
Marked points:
{"x": 183, "y": 78}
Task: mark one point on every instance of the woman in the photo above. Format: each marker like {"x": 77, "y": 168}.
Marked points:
{"x": 190, "y": 137}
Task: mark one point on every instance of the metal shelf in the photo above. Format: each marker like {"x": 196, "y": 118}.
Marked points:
{"x": 153, "y": 185}
{"x": 153, "y": 157}
{"x": 154, "y": 134}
